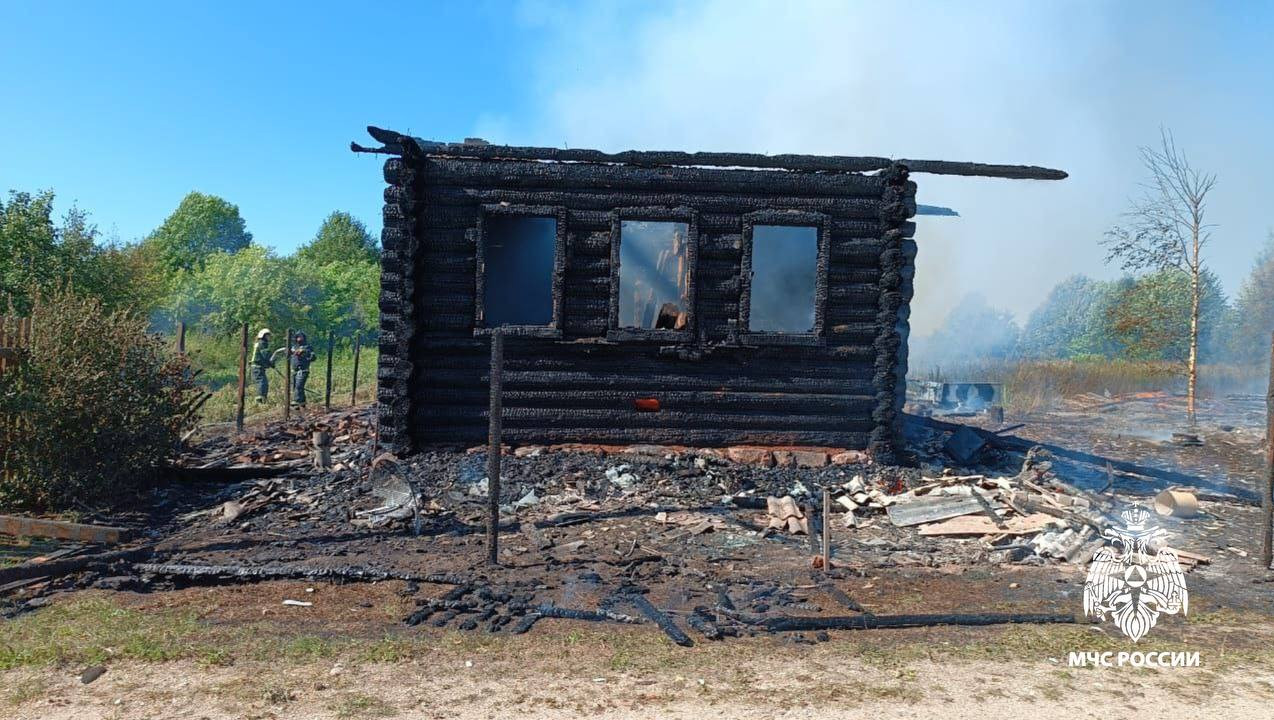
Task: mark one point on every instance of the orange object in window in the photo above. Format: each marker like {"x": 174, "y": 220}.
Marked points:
{"x": 647, "y": 404}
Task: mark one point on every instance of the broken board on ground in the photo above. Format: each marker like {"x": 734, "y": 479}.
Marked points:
{"x": 930, "y": 509}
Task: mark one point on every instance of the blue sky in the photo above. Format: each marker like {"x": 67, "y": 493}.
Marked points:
{"x": 123, "y": 108}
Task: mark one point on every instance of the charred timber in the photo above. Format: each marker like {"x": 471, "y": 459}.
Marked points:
{"x": 661, "y": 619}
{"x": 872, "y": 622}
{"x": 473, "y": 433}
{"x": 453, "y": 201}
{"x": 515, "y": 174}
{"x": 398, "y": 143}
{"x": 276, "y": 572}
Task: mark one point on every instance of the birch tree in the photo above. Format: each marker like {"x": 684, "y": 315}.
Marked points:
{"x": 1164, "y": 229}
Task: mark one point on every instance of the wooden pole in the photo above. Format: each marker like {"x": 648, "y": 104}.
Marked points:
{"x": 494, "y": 431}
{"x": 358, "y": 345}
{"x": 287, "y": 378}
{"x": 181, "y": 337}
{"x": 827, "y": 530}
{"x": 327, "y": 386}
{"x": 1267, "y": 493}
{"x": 243, "y": 376}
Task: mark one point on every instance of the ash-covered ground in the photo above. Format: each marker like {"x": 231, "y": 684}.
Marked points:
{"x": 594, "y": 531}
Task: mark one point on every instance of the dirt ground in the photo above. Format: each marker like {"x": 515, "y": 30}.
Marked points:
{"x": 177, "y": 648}
{"x": 248, "y": 656}
{"x": 242, "y": 654}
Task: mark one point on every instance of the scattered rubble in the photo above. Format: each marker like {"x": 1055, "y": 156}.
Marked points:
{"x": 715, "y": 542}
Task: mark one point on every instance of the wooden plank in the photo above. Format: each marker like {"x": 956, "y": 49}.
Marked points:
{"x": 35, "y": 527}
{"x": 982, "y": 525}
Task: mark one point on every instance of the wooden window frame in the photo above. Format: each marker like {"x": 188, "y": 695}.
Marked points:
{"x": 686, "y": 215}
{"x": 822, "y": 223}
{"x": 554, "y": 328}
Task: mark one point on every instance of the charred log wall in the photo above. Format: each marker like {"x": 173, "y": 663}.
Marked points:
{"x": 399, "y": 242}
{"x": 715, "y": 387}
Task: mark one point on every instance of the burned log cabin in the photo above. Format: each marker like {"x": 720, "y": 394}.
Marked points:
{"x": 648, "y": 297}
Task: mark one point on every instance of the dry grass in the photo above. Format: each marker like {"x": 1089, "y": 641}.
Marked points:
{"x": 1035, "y": 384}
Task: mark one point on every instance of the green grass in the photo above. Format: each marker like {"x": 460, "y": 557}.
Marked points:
{"x": 217, "y": 359}
{"x": 97, "y": 629}
{"x": 359, "y": 705}
{"x": 91, "y": 631}
{"x": 1035, "y": 384}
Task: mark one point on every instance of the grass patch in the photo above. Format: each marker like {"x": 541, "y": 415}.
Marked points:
{"x": 360, "y": 705}
{"x": 94, "y": 630}
{"x": 26, "y": 691}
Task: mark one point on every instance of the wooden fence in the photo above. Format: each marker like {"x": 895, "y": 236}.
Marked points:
{"x": 15, "y": 339}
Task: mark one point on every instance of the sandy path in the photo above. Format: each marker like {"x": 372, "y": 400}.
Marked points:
{"x": 753, "y": 688}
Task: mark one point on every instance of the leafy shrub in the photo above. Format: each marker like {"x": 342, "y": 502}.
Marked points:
{"x": 101, "y": 404}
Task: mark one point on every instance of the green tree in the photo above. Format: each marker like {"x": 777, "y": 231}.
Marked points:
{"x": 28, "y": 245}
{"x": 252, "y": 285}
{"x": 1151, "y": 318}
{"x": 1253, "y": 318}
{"x": 340, "y": 296}
{"x": 200, "y": 226}
{"x": 37, "y": 254}
{"x": 1165, "y": 230}
{"x": 341, "y": 238}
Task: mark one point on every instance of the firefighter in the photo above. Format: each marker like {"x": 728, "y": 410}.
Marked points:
{"x": 262, "y": 360}
{"x": 302, "y": 356}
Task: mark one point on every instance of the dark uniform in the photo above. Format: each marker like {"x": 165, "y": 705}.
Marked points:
{"x": 262, "y": 360}
{"x": 303, "y": 355}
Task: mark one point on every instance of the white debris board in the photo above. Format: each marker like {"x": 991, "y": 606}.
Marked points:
{"x": 929, "y": 509}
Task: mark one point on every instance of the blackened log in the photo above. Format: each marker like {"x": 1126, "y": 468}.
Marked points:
{"x": 833, "y": 163}
{"x": 275, "y": 572}
{"x": 704, "y": 624}
{"x": 462, "y": 200}
{"x": 525, "y": 623}
{"x": 578, "y": 418}
{"x": 56, "y": 568}
{"x": 661, "y": 619}
{"x": 811, "y": 403}
{"x": 871, "y": 622}
{"x": 971, "y": 169}
{"x": 841, "y": 597}
{"x": 516, "y": 174}
{"x": 465, "y": 433}
{"x": 550, "y": 610}
{"x": 443, "y": 618}
{"x": 418, "y": 616}
{"x": 397, "y": 143}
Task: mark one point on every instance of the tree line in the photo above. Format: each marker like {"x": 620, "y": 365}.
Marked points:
{"x": 199, "y": 266}
{"x": 1135, "y": 317}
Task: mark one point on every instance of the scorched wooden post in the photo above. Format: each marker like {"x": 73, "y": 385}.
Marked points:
{"x": 327, "y": 385}
{"x": 287, "y": 378}
{"x": 243, "y": 376}
{"x": 494, "y": 431}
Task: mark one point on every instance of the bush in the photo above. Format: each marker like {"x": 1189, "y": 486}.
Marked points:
{"x": 101, "y": 405}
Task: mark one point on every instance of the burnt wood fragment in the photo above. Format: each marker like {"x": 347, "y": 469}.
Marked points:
{"x": 872, "y": 622}
{"x": 661, "y": 619}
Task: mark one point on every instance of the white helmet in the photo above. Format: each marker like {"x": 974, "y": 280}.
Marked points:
{"x": 263, "y": 333}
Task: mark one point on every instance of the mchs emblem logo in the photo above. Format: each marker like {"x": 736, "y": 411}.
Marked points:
{"x": 1132, "y": 584}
